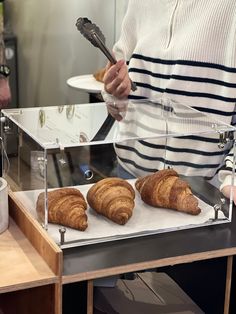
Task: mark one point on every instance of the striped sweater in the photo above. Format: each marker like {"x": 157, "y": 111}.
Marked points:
{"x": 186, "y": 51}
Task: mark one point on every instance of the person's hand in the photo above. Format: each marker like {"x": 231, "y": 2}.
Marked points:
{"x": 5, "y": 93}
{"x": 116, "y": 80}
{"x": 117, "y": 109}
{"x": 226, "y": 191}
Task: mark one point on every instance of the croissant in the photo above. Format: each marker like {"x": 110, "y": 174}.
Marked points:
{"x": 165, "y": 189}
{"x": 66, "y": 206}
{"x": 99, "y": 74}
{"x": 112, "y": 198}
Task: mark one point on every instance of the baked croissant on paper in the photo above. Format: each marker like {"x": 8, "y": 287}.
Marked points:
{"x": 99, "y": 74}
{"x": 165, "y": 189}
{"x": 66, "y": 206}
{"x": 112, "y": 198}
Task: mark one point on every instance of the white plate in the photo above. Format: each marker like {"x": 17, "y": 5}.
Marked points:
{"x": 86, "y": 83}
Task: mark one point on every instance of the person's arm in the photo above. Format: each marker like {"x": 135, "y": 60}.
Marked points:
{"x": 226, "y": 178}
{"x": 225, "y": 173}
{"x": 116, "y": 78}
{"x": 5, "y": 94}
{"x": 117, "y": 84}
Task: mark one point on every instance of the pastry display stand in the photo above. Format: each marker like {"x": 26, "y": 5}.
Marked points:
{"x": 37, "y": 269}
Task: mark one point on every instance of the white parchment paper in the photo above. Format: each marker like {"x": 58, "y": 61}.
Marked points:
{"x": 145, "y": 220}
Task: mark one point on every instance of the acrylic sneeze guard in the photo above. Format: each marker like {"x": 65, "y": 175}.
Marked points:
{"x": 78, "y": 145}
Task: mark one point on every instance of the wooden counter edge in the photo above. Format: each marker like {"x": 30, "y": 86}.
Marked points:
{"x": 38, "y": 237}
{"x": 171, "y": 261}
{"x": 33, "y": 284}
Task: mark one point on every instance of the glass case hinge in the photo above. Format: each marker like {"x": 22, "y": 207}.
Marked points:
{"x": 224, "y": 138}
{"x": 42, "y": 162}
{"x": 6, "y": 126}
{"x": 218, "y": 207}
{"x": 62, "y": 158}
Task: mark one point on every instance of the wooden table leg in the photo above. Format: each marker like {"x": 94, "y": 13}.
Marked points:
{"x": 228, "y": 284}
{"x": 90, "y": 297}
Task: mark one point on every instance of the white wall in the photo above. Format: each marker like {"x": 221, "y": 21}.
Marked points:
{"x": 50, "y": 49}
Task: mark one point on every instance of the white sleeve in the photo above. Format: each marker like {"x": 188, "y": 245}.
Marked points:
{"x": 225, "y": 173}
{"x": 124, "y": 47}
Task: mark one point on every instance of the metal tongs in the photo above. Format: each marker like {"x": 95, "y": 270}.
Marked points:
{"x": 93, "y": 34}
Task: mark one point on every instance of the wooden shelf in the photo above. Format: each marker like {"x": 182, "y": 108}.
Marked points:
{"x": 21, "y": 266}
{"x": 34, "y": 269}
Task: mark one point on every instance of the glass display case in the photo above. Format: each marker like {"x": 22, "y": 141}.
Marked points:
{"x": 75, "y": 147}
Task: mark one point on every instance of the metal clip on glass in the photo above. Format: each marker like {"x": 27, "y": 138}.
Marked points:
{"x": 93, "y": 34}
{"x": 62, "y": 158}
{"x": 224, "y": 138}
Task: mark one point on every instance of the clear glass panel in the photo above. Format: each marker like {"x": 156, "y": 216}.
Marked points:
{"x": 82, "y": 125}
{"x": 78, "y": 145}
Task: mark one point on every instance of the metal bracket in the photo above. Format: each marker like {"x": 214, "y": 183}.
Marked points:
{"x": 218, "y": 207}
{"x": 224, "y": 138}
{"x": 62, "y": 159}
{"x": 62, "y": 232}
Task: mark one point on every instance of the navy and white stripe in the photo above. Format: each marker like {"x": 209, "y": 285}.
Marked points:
{"x": 185, "y": 51}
